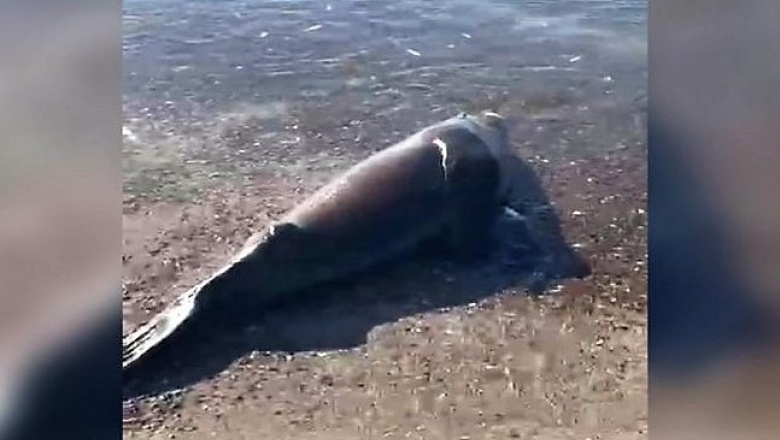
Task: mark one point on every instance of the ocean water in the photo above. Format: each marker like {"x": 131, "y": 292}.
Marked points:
{"x": 290, "y": 71}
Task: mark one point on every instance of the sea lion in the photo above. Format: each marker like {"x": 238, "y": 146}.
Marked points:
{"x": 448, "y": 181}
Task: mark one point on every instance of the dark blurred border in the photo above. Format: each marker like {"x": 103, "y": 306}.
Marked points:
{"x": 714, "y": 243}
{"x": 60, "y": 219}
{"x": 701, "y": 308}
{"x": 73, "y": 392}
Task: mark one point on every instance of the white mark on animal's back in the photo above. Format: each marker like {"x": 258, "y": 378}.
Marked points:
{"x": 442, "y": 146}
{"x": 511, "y": 213}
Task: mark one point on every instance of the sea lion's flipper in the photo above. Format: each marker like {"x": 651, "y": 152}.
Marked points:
{"x": 519, "y": 247}
{"x": 159, "y": 328}
{"x": 231, "y": 291}
{"x": 527, "y": 198}
{"x": 472, "y": 178}
{"x": 559, "y": 260}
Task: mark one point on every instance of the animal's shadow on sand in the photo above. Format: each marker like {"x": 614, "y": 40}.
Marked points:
{"x": 339, "y": 315}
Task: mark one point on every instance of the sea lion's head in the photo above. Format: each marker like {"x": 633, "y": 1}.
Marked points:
{"x": 489, "y": 126}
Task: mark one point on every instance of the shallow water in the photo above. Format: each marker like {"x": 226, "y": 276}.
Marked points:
{"x": 286, "y": 72}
